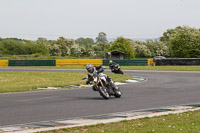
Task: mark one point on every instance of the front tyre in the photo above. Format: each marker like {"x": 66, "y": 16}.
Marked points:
{"x": 103, "y": 92}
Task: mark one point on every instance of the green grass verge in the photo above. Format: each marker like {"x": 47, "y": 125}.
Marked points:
{"x": 158, "y": 68}
{"x": 188, "y": 122}
{"x": 29, "y": 81}
{"x": 163, "y": 68}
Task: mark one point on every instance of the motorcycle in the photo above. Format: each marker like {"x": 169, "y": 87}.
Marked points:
{"x": 116, "y": 69}
{"x": 103, "y": 87}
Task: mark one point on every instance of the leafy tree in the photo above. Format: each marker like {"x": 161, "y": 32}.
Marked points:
{"x": 186, "y": 44}
{"x": 54, "y": 49}
{"x": 39, "y": 49}
{"x": 99, "y": 50}
{"x": 141, "y": 49}
{"x": 62, "y": 46}
{"x": 100, "y": 46}
{"x": 76, "y": 50}
{"x": 2, "y": 49}
{"x": 86, "y": 45}
{"x": 14, "y": 47}
{"x": 123, "y": 45}
{"x": 183, "y": 41}
{"x": 21, "y": 47}
{"x": 101, "y": 38}
{"x": 85, "y": 42}
{"x": 157, "y": 48}
{"x": 43, "y": 41}
{"x": 65, "y": 45}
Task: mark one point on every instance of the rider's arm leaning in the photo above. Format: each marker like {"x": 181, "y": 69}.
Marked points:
{"x": 90, "y": 78}
{"x": 100, "y": 69}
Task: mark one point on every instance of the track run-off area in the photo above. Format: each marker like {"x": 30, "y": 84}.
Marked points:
{"x": 160, "y": 89}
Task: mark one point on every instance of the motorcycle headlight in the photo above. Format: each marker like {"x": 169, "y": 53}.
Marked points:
{"x": 95, "y": 79}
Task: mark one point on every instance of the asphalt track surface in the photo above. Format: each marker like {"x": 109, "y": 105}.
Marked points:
{"x": 163, "y": 88}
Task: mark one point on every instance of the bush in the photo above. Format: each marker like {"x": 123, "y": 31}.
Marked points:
{"x": 123, "y": 45}
{"x": 21, "y": 47}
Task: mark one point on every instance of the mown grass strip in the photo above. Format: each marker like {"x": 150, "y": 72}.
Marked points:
{"x": 163, "y": 68}
{"x": 187, "y": 122}
{"x": 158, "y": 68}
{"x": 29, "y": 81}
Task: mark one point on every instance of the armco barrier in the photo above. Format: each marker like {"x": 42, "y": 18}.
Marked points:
{"x": 128, "y": 62}
{"x": 32, "y": 63}
{"x": 3, "y": 62}
{"x": 179, "y": 62}
{"x": 74, "y": 62}
{"x": 78, "y": 62}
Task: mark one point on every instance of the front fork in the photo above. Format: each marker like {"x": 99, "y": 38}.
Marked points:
{"x": 101, "y": 83}
{"x": 110, "y": 91}
{"x": 98, "y": 86}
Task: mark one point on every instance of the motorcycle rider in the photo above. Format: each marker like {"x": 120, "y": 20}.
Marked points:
{"x": 111, "y": 64}
{"x": 92, "y": 70}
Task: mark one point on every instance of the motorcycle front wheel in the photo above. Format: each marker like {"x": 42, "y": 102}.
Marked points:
{"x": 103, "y": 92}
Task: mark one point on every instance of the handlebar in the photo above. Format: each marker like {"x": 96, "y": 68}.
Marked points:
{"x": 84, "y": 78}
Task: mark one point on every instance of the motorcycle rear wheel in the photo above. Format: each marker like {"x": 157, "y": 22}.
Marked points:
{"x": 118, "y": 93}
{"x": 120, "y": 72}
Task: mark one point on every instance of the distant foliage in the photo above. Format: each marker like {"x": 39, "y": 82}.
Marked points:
{"x": 141, "y": 49}
{"x": 100, "y": 46}
{"x": 184, "y": 42}
{"x": 150, "y": 48}
{"x": 123, "y": 45}
{"x": 21, "y": 47}
{"x": 85, "y": 42}
{"x": 101, "y": 38}
{"x": 85, "y": 45}
{"x": 54, "y": 49}
{"x": 158, "y": 48}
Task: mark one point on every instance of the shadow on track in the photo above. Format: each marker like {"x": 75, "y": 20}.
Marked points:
{"x": 94, "y": 98}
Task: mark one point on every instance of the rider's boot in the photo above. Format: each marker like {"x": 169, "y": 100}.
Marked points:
{"x": 112, "y": 83}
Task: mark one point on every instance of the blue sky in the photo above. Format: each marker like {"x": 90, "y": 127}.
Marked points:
{"x": 30, "y": 19}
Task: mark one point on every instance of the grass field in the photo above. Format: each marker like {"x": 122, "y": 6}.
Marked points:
{"x": 158, "y": 68}
{"x": 188, "y": 122}
{"x": 163, "y": 68}
{"x": 29, "y": 81}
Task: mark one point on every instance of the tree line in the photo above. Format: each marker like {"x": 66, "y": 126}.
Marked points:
{"x": 180, "y": 42}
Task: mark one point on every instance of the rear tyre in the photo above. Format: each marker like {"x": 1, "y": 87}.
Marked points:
{"x": 120, "y": 72}
{"x": 118, "y": 93}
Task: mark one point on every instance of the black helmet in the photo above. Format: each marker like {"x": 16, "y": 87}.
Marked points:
{"x": 90, "y": 68}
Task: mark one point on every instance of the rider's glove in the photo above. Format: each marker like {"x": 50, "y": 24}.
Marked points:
{"x": 88, "y": 82}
